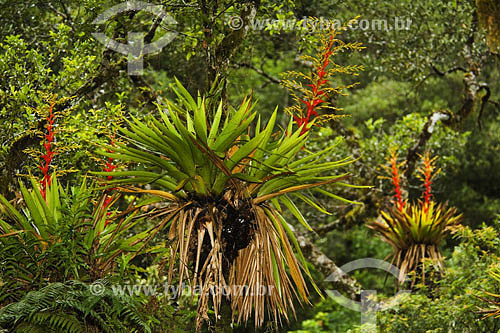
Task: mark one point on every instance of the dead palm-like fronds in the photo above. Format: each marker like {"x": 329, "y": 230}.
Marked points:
{"x": 226, "y": 186}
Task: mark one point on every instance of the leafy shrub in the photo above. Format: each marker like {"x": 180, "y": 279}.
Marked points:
{"x": 67, "y": 235}
{"x": 76, "y": 307}
{"x": 454, "y": 305}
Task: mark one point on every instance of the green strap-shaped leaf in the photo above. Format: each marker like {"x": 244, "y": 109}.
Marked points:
{"x": 331, "y": 195}
{"x": 200, "y": 122}
{"x": 235, "y": 127}
{"x": 295, "y": 211}
{"x": 43, "y": 204}
{"x": 214, "y": 129}
{"x": 14, "y": 213}
{"x": 311, "y": 202}
{"x": 184, "y": 95}
{"x": 319, "y": 154}
{"x": 34, "y": 211}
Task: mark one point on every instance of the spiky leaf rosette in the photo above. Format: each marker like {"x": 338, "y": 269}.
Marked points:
{"x": 71, "y": 233}
{"x": 415, "y": 233}
{"x": 226, "y": 180}
{"x": 492, "y": 300}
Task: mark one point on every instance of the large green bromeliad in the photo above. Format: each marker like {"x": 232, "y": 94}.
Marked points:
{"x": 226, "y": 178}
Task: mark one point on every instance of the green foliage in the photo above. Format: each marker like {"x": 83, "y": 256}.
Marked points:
{"x": 371, "y": 102}
{"x": 74, "y": 306}
{"x": 469, "y": 179}
{"x": 203, "y": 161}
{"x": 381, "y": 135}
{"x": 330, "y": 317}
{"x": 30, "y": 77}
{"x": 32, "y": 72}
{"x": 70, "y": 235}
{"x": 430, "y": 33}
{"x": 47, "y": 50}
{"x": 489, "y": 15}
{"x": 454, "y": 305}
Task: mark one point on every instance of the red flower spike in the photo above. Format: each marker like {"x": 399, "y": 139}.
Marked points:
{"x": 107, "y": 201}
{"x": 44, "y": 169}
{"x": 304, "y": 130}
{"x": 49, "y": 153}
{"x": 316, "y": 91}
{"x": 427, "y": 179}
{"x": 396, "y": 182}
{"x": 108, "y": 167}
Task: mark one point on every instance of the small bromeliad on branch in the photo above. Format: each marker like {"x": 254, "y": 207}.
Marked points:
{"x": 317, "y": 92}
{"x": 415, "y": 230}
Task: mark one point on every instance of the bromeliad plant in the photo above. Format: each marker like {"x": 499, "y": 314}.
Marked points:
{"x": 226, "y": 178}
{"x": 415, "y": 230}
{"x": 492, "y": 300}
{"x": 63, "y": 236}
{"x": 60, "y": 234}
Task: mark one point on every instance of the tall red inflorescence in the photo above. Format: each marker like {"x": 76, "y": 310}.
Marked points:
{"x": 427, "y": 173}
{"x": 396, "y": 182}
{"x": 47, "y": 157}
{"x": 109, "y": 167}
{"x": 315, "y": 100}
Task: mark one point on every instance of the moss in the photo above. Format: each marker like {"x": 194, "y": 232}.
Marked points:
{"x": 488, "y": 12}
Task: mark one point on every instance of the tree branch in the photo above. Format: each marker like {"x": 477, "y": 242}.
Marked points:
{"x": 436, "y": 71}
{"x": 340, "y": 280}
{"x": 423, "y": 138}
{"x": 327, "y": 227}
{"x": 151, "y": 33}
{"x": 484, "y": 100}
{"x": 258, "y": 71}
{"x": 449, "y": 71}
